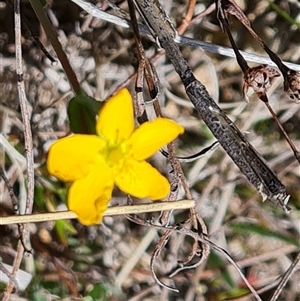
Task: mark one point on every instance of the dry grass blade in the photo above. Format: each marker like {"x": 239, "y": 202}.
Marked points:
{"x": 37, "y": 6}
{"x": 132, "y": 209}
{"x": 288, "y": 274}
{"x": 135, "y": 256}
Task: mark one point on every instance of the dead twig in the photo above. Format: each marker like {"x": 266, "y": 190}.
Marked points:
{"x": 232, "y": 140}
{"x": 27, "y": 209}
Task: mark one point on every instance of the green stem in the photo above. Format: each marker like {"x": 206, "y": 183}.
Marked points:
{"x": 51, "y": 34}
{"x": 284, "y": 14}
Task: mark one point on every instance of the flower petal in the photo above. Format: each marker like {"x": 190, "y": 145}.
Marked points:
{"x": 116, "y": 120}
{"x": 141, "y": 180}
{"x": 151, "y": 136}
{"x": 73, "y": 157}
{"x": 89, "y": 196}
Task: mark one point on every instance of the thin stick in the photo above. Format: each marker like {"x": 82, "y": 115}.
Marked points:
{"x": 28, "y": 147}
{"x": 24, "y": 111}
{"x": 188, "y": 17}
{"x": 121, "y": 210}
{"x": 286, "y": 136}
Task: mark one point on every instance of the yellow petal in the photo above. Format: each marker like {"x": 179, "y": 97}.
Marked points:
{"x": 141, "y": 180}
{"x": 89, "y": 196}
{"x": 151, "y": 136}
{"x": 116, "y": 120}
{"x": 73, "y": 157}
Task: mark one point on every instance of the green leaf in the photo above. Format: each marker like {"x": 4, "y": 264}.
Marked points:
{"x": 284, "y": 14}
{"x": 257, "y": 229}
{"x": 39, "y": 196}
{"x": 63, "y": 229}
{"x": 235, "y": 293}
{"x": 82, "y": 113}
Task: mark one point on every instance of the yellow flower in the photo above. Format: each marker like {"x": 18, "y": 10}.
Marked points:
{"x": 115, "y": 155}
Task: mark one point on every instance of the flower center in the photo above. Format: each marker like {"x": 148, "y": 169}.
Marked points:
{"x": 115, "y": 155}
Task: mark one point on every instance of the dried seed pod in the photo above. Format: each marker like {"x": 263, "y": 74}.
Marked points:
{"x": 258, "y": 78}
{"x": 292, "y": 85}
